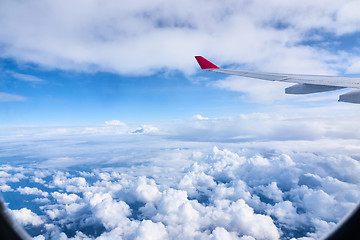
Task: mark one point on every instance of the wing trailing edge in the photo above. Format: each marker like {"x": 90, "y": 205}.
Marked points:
{"x": 303, "y": 88}
{"x": 351, "y": 97}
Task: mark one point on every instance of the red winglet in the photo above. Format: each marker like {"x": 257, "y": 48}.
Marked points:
{"x": 205, "y": 64}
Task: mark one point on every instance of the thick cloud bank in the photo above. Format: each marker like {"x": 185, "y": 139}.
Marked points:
{"x": 203, "y": 178}
{"x": 217, "y": 194}
{"x": 140, "y": 37}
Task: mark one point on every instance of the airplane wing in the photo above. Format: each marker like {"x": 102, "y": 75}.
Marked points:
{"x": 305, "y": 84}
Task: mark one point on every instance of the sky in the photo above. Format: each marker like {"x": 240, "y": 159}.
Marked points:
{"x": 103, "y": 108}
{"x": 135, "y": 62}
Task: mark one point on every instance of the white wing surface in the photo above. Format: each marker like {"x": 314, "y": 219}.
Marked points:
{"x": 305, "y": 83}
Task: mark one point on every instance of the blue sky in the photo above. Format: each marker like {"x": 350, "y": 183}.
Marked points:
{"x": 113, "y": 64}
{"x": 68, "y": 97}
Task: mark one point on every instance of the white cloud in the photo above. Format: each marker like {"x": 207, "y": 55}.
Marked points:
{"x": 151, "y": 231}
{"x": 7, "y": 97}
{"x": 347, "y": 17}
{"x": 199, "y": 117}
{"x": 217, "y": 197}
{"x": 146, "y": 190}
{"x": 4, "y": 174}
{"x": 323, "y": 228}
{"x": 40, "y": 237}
{"x": 244, "y": 219}
{"x": 354, "y": 67}
{"x": 65, "y": 198}
{"x": 115, "y": 123}
{"x": 26, "y": 77}
{"x": 286, "y": 213}
{"x": 98, "y": 36}
{"x": 5, "y": 188}
{"x": 282, "y": 123}
{"x": 11, "y": 174}
{"x": 111, "y": 213}
{"x": 217, "y": 187}
{"x": 254, "y": 90}
{"x": 302, "y": 125}
{"x": 271, "y": 191}
{"x": 37, "y": 180}
{"x": 318, "y": 203}
{"x": 59, "y": 162}
{"x": 32, "y": 191}
{"x": 55, "y": 213}
{"x": 146, "y": 129}
{"x": 75, "y": 184}
{"x": 42, "y": 200}
{"x": 221, "y": 233}
{"x": 27, "y": 217}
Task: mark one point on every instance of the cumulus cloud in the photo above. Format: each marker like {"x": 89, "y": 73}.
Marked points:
{"x": 146, "y": 129}
{"x": 205, "y": 178}
{"x": 65, "y": 198}
{"x": 151, "y": 231}
{"x": 110, "y": 212}
{"x": 71, "y": 184}
{"x": 222, "y": 233}
{"x": 5, "y": 188}
{"x": 26, "y": 217}
{"x": 32, "y": 191}
{"x": 147, "y": 190}
{"x": 221, "y": 193}
{"x": 4, "y": 174}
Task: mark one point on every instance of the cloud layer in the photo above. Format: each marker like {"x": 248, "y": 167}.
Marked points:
{"x": 138, "y": 37}
{"x": 194, "y": 190}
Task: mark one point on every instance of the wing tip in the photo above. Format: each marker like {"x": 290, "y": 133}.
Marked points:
{"x": 205, "y": 64}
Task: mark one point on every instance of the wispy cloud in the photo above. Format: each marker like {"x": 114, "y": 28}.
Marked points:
{"x": 337, "y": 121}
{"x": 115, "y": 123}
{"x": 7, "y": 97}
{"x": 26, "y": 77}
{"x": 254, "y": 90}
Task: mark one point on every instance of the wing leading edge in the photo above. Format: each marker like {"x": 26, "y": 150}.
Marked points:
{"x": 305, "y": 83}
